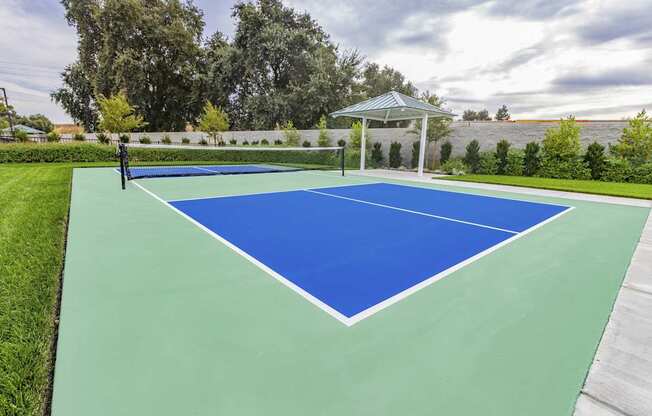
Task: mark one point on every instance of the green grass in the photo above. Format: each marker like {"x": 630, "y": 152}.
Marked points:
{"x": 33, "y": 214}
{"x": 630, "y": 190}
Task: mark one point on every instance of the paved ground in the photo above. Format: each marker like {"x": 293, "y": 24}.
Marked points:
{"x": 159, "y": 318}
{"x": 619, "y": 382}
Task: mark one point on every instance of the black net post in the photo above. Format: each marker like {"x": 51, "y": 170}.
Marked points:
{"x": 342, "y": 160}
{"x": 122, "y": 154}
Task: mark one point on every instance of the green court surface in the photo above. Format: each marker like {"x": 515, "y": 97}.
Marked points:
{"x": 159, "y": 318}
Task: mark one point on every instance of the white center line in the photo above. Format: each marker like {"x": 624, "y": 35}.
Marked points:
{"x": 414, "y": 212}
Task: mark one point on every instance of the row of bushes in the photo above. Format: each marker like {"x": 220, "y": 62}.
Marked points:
{"x": 594, "y": 164}
{"x": 87, "y": 152}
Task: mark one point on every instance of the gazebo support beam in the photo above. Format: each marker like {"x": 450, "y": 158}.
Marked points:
{"x": 363, "y": 143}
{"x": 422, "y": 143}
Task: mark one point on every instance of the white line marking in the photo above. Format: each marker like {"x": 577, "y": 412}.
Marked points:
{"x": 310, "y": 298}
{"x": 414, "y": 212}
{"x": 263, "y": 193}
{"x": 379, "y": 306}
{"x": 207, "y": 170}
{"x": 413, "y": 289}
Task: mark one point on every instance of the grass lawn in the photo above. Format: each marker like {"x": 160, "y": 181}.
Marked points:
{"x": 630, "y": 190}
{"x": 34, "y": 204}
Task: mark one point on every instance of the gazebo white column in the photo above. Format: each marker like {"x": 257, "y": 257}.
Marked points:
{"x": 363, "y": 143}
{"x": 422, "y": 143}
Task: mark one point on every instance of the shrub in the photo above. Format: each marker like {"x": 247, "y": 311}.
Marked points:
{"x": 79, "y": 137}
{"x": 635, "y": 144}
{"x": 564, "y": 169}
{"x": 124, "y": 138}
{"x": 617, "y": 169}
{"x": 531, "y": 159}
{"x": 292, "y": 136}
{"x": 221, "y": 143}
{"x": 502, "y": 148}
{"x": 376, "y": 154}
{"x": 53, "y": 136}
{"x": 595, "y": 159}
{"x": 472, "y": 157}
{"x": 185, "y": 140}
{"x": 643, "y": 173}
{"x": 414, "y": 162}
{"x": 488, "y": 164}
{"x": 264, "y": 142}
{"x": 341, "y": 142}
{"x": 203, "y": 142}
{"x": 254, "y": 142}
{"x": 145, "y": 140}
{"x": 245, "y": 143}
{"x": 305, "y": 143}
{"x": 233, "y": 142}
{"x": 514, "y": 166}
{"x": 562, "y": 143}
{"x": 21, "y": 136}
{"x": 166, "y": 140}
{"x": 324, "y": 139}
{"x": 103, "y": 138}
{"x": 395, "y": 155}
{"x": 454, "y": 167}
{"x": 446, "y": 150}
{"x": 278, "y": 142}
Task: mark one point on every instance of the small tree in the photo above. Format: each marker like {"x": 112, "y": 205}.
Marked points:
{"x": 635, "y": 144}
{"x": 472, "y": 156}
{"x": 563, "y": 143}
{"x": 446, "y": 150}
{"x": 377, "y": 154}
{"x": 355, "y": 136}
{"x": 469, "y": 115}
{"x": 483, "y": 115}
{"x": 502, "y": 114}
{"x": 292, "y": 136}
{"x": 502, "y": 149}
{"x": 595, "y": 160}
{"x": 117, "y": 115}
{"x": 53, "y": 136}
{"x": 213, "y": 122}
{"x": 395, "y": 155}
{"x": 532, "y": 160}
{"x": 324, "y": 139}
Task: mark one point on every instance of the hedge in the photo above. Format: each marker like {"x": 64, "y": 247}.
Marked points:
{"x": 86, "y": 152}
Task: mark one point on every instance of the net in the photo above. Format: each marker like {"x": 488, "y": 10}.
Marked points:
{"x": 160, "y": 161}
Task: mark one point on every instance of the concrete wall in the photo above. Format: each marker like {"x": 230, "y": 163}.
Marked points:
{"x": 487, "y": 133}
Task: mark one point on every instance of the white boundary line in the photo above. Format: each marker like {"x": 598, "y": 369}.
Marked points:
{"x": 264, "y": 193}
{"x": 310, "y": 298}
{"x": 413, "y": 289}
{"x": 413, "y": 212}
{"x": 349, "y": 321}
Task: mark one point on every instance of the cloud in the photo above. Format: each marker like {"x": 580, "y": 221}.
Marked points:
{"x": 633, "y": 23}
{"x": 627, "y": 77}
{"x": 534, "y": 9}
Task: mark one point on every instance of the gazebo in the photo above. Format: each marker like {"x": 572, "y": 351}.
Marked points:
{"x": 393, "y": 106}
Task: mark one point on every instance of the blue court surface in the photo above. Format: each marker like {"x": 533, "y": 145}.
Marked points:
{"x": 353, "y": 250}
{"x": 207, "y": 170}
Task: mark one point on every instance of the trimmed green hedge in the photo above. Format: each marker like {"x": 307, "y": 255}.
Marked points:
{"x": 86, "y": 152}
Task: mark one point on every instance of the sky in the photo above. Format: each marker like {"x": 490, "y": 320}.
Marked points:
{"x": 544, "y": 59}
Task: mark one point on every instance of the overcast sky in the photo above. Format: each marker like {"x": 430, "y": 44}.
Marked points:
{"x": 542, "y": 58}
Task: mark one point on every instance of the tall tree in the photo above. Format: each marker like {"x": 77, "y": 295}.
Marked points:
{"x": 469, "y": 115}
{"x": 148, "y": 48}
{"x": 284, "y": 67}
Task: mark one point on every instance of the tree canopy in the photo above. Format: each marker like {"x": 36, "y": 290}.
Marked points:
{"x": 279, "y": 66}
{"x": 117, "y": 115}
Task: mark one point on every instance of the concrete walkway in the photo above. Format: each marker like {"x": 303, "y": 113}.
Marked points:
{"x": 619, "y": 382}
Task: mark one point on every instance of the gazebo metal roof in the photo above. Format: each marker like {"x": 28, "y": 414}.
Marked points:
{"x": 22, "y": 127}
{"x": 392, "y": 106}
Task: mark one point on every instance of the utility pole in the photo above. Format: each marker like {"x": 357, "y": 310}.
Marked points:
{"x": 8, "y": 112}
